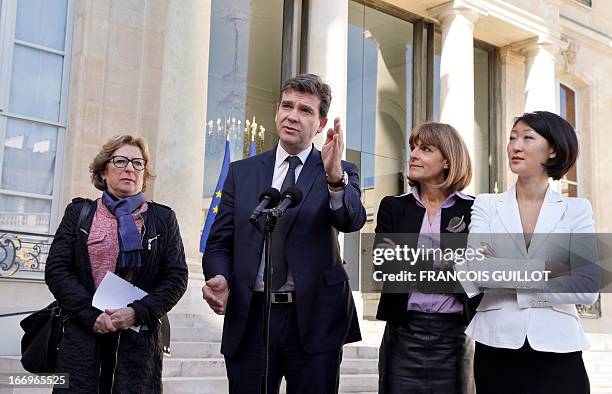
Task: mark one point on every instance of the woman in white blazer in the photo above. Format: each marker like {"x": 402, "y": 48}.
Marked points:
{"x": 528, "y": 336}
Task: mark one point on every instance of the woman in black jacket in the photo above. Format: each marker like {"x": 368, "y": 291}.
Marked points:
{"x": 139, "y": 241}
{"x": 422, "y": 347}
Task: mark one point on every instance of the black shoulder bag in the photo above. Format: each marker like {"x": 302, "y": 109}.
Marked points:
{"x": 43, "y": 329}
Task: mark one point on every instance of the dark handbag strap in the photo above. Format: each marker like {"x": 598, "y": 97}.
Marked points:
{"x": 85, "y": 211}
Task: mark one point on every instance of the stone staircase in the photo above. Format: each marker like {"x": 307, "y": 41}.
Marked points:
{"x": 598, "y": 362}
{"x": 196, "y": 366}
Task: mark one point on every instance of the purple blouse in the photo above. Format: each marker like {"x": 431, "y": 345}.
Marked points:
{"x": 429, "y": 237}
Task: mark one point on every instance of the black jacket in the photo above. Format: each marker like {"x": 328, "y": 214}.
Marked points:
{"x": 163, "y": 275}
{"x": 402, "y": 215}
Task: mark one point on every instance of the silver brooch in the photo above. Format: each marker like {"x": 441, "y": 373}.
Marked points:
{"x": 456, "y": 225}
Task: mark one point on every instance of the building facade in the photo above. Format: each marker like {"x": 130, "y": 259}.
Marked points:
{"x": 188, "y": 74}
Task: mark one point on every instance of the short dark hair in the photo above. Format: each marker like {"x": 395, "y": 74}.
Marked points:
{"x": 561, "y": 137}
{"x": 312, "y": 84}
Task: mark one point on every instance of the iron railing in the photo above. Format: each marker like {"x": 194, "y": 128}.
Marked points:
{"x": 23, "y": 253}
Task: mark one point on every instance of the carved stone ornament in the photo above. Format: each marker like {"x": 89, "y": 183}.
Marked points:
{"x": 569, "y": 54}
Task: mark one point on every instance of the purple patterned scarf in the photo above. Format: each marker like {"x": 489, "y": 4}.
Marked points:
{"x": 129, "y": 237}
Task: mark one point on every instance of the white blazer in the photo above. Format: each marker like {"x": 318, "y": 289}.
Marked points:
{"x": 510, "y": 312}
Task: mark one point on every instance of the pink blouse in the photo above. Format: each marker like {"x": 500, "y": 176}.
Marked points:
{"x": 103, "y": 240}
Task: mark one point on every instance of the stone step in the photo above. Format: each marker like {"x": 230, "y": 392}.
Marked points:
{"x": 195, "y": 348}
{"x": 11, "y": 364}
{"x": 358, "y": 383}
{"x": 600, "y": 342}
{"x": 211, "y": 327}
{"x": 596, "y": 357}
{"x": 601, "y": 380}
{"x": 208, "y": 320}
{"x": 214, "y": 385}
{"x": 359, "y": 366}
{"x": 28, "y": 390}
{"x": 359, "y": 351}
{"x": 599, "y": 367}
{"x": 195, "y": 334}
{"x": 191, "y": 349}
{"x": 194, "y": 367}
{"x": 358, "y": 375}
{"x": 201, "y": 385}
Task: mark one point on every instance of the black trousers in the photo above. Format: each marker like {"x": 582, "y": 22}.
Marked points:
{"x": 524, "y": 370}
{"x": 423, "y": 355}
{"x": 316, "y": 373}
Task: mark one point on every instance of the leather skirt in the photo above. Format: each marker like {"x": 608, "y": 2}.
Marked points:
{"x": 423, "y": 355}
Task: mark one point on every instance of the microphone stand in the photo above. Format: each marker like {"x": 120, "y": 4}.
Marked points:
{"x": 272, "y": 216}
{"x": 270, "y": 224}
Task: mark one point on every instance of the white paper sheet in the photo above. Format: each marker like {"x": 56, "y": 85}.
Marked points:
{"x": 115, "y": 292}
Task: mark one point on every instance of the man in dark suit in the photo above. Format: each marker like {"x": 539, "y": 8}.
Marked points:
{"x": 312, "y": 312}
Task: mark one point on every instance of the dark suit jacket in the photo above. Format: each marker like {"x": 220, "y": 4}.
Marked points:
{"x": 324, "y": 303}
{"x": 403, "y": 215}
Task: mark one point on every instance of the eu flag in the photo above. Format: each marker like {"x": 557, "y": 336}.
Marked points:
{"x": 214, "y": 205}
{"x": 252, "y": 149}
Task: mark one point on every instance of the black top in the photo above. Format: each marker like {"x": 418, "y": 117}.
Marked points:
{"x": 402, "y": 214}
{"x": 163, "y": 273}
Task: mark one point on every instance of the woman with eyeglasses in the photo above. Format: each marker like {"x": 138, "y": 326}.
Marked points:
{"x": 138, "y": 240}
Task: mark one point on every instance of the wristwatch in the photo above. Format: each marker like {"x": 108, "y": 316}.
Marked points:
{"x": 341, "y": 183}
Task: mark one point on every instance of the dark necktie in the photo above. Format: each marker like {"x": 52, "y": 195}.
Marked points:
{"x": 279, "y": 259}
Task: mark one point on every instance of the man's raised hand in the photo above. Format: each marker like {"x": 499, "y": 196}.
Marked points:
{"x": 331, "y": 153}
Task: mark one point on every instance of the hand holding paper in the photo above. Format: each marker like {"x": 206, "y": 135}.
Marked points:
{"x": 113, "y": 296}
{"x": 123, "y": 318}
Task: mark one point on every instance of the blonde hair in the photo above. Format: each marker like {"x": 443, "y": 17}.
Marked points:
{"x": 98, "y": 165}
{"x": 446, "y": 138}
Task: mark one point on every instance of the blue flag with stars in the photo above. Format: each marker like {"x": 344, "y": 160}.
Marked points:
{"x": 252, "y": 149}
{"x": 214, "y": 205}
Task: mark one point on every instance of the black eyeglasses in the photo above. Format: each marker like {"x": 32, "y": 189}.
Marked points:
{"x": 122, "y": 162}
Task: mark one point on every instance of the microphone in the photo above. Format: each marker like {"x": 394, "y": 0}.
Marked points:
{"x": 291, "y": 198}
{"x": 268, "y": 199}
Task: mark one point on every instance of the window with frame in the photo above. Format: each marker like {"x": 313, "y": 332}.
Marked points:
{"x": 567, "y": 109}
{"x": 35, "y": 42}
{"x": 380, "y": 100}
{"x": 569, "y": 184}
{"x": 393, "y": 84}
{"x": 385, "y": 90}
{"x": 244, "y": 76}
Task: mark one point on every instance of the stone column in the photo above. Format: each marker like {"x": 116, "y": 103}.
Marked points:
{"x": 540, "y": 82}
{"x": 179, "y": 159}
{"x": 457, "y": 73}
{"x": 512, "y": 98}
{"x": 327, "y": 57}
{"x": 327, "y": 54}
